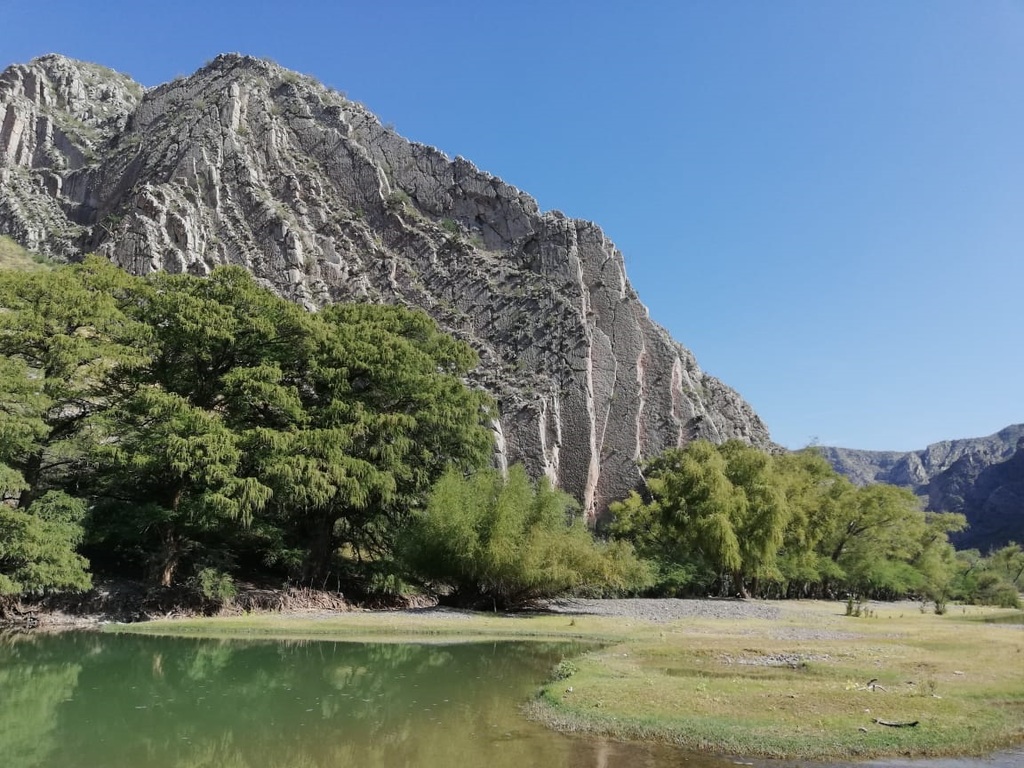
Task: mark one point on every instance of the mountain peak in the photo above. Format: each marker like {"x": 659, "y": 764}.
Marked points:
{"x": 245, "y": 162}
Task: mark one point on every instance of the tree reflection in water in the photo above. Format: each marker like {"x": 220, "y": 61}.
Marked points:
{"x": 91, "y": 700}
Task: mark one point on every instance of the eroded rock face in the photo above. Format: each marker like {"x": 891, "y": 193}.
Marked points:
{"x": 247, "y": 163}
{"x": 56, "y": 118}
{"x": 981, "y": 477}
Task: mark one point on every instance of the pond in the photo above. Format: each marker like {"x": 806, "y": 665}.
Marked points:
{"x": 88, "y": 700}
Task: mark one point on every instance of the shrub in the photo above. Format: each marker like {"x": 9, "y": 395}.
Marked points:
{"x": 503, "y": 543}
{"x": 214, "y": 585}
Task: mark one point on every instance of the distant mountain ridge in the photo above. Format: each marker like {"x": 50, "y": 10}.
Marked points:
{"x": 981, "y": 477}
{"x": 247, "y": 163}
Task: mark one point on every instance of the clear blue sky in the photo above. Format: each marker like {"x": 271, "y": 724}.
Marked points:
{"x": 823, "y": 200}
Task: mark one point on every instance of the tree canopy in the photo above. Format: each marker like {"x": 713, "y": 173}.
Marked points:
{"x": 731, "y": 519}
{"x": 185, "y": 429}
{"x": 206, "y": 421}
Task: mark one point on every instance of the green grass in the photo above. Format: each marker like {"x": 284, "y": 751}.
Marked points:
{"x": 721, "y": 685}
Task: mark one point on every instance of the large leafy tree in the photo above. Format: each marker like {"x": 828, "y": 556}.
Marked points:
{"x": 177, "y": 481}
{"x": 385, "y": 414}
{"x": 200, "y": 417}
{"x": 62, "y": 335}
{"x": 300, "y": 431}
{"x": 874, "y": 537}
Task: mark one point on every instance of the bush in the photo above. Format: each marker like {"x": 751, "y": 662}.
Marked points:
{"x": 214, "y": 585}
{"x": 992, "y": 589}
{"x": 38, "y": 547}
{"x": 503, "y": 543}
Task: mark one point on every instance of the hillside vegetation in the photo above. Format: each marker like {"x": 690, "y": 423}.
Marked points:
{"x": 13, "y": 256}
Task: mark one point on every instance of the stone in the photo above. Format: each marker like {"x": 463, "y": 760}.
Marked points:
{"x": 247, "y": 163}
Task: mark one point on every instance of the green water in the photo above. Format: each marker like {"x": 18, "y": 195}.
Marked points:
{"x": 89, "y": 700}
{"x": 110, "y": 701}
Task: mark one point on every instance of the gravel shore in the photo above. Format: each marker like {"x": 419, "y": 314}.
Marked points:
{"x": 668, "y": 609}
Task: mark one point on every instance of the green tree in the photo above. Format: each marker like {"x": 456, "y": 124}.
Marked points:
{"x": 699, "y": 505}
{"x": 875, "y": 536}
{"x": 936, "y": 560}
{"x": 812, "y": 490}
{"x": 177, "y": 469}
{"x": 206, "y": 419}
{"x": 62, "y": 336}
{"x": 385, "y": 413}
{"x": 1008, "y": 561}
{"x": 762, "y": 514}
{"x": 38, "y": 547}
{"x": 991, "y": 580}
{"x": 506, "y": 542}
{"x": 177, "y": 481}
{"x": 718, "y": 508}
{"x": 733, "y": 517}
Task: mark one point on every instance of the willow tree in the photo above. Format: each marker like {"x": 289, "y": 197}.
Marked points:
{"x": 813, "y": 491}
{"x": 503, "y": 541}
{"x": 789, "y": 521}
{"x": 762, "y": 514}
{"x": 691, "y": 515}
{"x": 716, "y": 511}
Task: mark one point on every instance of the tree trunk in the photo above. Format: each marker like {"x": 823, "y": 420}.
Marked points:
{"x": 320, "y": 551}
{"x": 741, "y": 588}
{"x": 31, "y": 471}
{"x": 170, "y": 557}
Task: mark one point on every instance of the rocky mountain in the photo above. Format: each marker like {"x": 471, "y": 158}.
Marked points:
{"x": 982, "y": 477}
{"x": 247, "y": 163}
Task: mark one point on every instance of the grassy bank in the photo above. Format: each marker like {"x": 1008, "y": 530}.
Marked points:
{"x": 811, "y": 683}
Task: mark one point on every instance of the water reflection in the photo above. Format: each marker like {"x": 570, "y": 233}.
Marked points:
{"x": 32, "y": 687}
{"x": 98, "y": 700}
{"x": 88, "y": 700}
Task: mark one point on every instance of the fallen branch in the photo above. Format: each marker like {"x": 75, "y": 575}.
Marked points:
{"x": 896, "y": 725}
{"x": 872, "y": 685}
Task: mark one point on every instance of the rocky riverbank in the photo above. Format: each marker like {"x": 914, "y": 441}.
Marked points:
{"x": 126, "y": 601}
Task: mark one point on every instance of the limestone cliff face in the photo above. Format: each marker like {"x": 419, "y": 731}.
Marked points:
{"x": 981, "y": 477}
{"x": 247, "y": 163}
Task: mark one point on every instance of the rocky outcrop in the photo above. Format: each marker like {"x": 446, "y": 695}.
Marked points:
{"x": 247, "y": 163}
{"x": 981, "y": 477}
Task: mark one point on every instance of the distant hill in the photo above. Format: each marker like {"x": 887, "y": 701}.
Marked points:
{"x": 982, "y": 477}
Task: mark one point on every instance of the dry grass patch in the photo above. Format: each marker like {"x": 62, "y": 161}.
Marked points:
{"x": 813, "y": 684}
